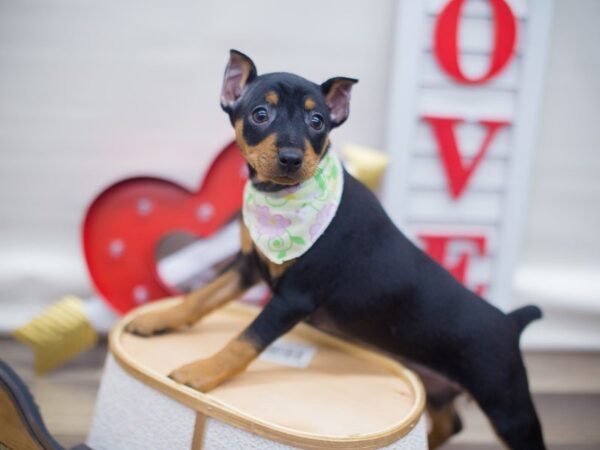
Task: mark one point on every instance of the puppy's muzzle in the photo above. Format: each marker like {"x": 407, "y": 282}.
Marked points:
{"x": 290, "y": 159}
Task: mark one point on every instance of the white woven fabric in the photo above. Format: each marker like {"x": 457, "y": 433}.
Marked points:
{"x": 132, "y": 416}
{"x": 222, "y": 436}
{"x": 416, "y": 439}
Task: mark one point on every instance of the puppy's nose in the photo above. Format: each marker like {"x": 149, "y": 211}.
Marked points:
{"x": 290, "y": 159}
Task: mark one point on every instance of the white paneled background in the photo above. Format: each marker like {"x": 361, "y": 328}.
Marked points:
{"x": 559, "y": 264}
{"x": 92, "y": 91}
{"x": 417, "y": 190}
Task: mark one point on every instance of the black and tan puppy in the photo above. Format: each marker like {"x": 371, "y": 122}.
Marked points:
{"x": 362, "y": 277}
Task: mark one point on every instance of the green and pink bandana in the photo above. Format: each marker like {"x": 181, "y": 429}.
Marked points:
{"x": 285, "y": 224}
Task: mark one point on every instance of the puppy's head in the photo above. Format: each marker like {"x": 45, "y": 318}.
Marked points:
{"x": 282, "y": 121}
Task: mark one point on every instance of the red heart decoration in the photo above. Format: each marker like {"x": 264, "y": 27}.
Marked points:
{"x": 126, "y": 222}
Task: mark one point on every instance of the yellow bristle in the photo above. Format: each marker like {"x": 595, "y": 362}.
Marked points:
{"x": 59, "y": 334}
{"x": 365, "y": 164}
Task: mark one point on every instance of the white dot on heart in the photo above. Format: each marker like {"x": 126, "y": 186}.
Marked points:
{"x": 116, "y": 248}
{"x": 144, "y": 206}
{"x": 205, "y": 212}
{"x": 140, "y": 294}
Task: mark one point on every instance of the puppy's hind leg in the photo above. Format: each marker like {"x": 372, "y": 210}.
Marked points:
{"x": 441, "y": 394}
{"x": 445, "y": 423}
{"x": 506, "y": 400}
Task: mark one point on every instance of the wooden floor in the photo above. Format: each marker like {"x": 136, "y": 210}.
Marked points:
{"x": 566, "y": 387}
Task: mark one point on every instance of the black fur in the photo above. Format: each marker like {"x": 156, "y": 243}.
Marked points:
{"x": 366, "y": 280}
{"x": 525, "y": 315}
{"x": 364, "y": 276}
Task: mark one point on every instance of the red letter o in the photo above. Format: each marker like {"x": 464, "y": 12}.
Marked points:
{"x": 446, "y": 40}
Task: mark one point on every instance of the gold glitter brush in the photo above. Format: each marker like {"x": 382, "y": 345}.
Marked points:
{"x": 59, "y": 334}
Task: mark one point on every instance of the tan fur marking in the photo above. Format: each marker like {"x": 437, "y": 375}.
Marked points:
{"x": 309, "y": 104}
{"x": 275, "y": 270}
{"x": 325, "y": 146}
{"x": 262, "y": 157}
{"x": 228, "y": 287}
{"x": 239, "y": 135}
{"x": 194, "y": 306}
{"x": 442, "y": 424}
{"x": 207, "y": 374}
{"x": 272, "y": 98}
{"x": 246, "y": 241}
{"x": 311, "y": 160}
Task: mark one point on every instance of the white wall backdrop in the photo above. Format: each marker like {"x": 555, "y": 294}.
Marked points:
{"x": 559, "y": 266}
{"x": 92, "y": 91}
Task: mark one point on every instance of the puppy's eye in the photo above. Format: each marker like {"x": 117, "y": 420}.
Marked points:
{"x": 316, "y": 121}
{"x": 260, "y": 114}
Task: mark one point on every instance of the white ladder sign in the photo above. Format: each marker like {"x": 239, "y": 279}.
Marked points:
{"x": 465, "y": 91}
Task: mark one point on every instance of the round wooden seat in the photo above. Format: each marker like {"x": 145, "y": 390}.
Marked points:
{"x": 308, "y": 390}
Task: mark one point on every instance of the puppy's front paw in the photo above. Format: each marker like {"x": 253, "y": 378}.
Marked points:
{"x": 152, "y": 323}
{"x": 202, "y": 375}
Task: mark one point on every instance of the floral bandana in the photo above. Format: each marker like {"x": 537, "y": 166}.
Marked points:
{"x": 285, "y": 224}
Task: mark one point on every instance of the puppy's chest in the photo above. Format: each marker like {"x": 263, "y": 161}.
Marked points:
{"x": 270, "y": 271}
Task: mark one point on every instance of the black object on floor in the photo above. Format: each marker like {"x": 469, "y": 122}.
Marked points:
{"x": 21, "y": 424}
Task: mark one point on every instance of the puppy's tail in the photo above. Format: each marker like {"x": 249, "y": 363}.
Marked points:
{"x": 523, "y": 316}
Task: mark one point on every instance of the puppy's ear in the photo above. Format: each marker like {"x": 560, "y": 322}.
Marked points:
{"x": 239, "y": 72}
{"x": 337, "y": 97}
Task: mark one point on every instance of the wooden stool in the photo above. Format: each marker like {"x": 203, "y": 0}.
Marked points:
{"x": 308, "y": 390}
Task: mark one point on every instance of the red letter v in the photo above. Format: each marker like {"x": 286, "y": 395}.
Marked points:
{"x": 458, "y": 173}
